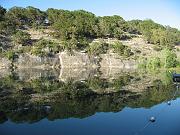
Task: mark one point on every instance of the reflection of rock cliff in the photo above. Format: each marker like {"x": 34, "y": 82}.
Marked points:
{"x": 61, "y": 105}
{"x": 76, "y": 73}
{"x": 26, "y": 74}
{"x": 122, "y": 79}
{"x": 34, "y": 95}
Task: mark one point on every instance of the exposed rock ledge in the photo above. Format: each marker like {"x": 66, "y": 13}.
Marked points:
{"x": 65, "y": 60}
{"x": 5, "y": 63}
{"x": 114, "y": 61}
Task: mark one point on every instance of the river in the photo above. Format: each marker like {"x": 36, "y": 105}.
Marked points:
{"x": 88, "y": 101}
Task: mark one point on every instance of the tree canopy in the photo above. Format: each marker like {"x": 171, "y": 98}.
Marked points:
{"x": 77, "y": 29}
{"x": 156, "y": 33}
{"x": 81, "y": 24}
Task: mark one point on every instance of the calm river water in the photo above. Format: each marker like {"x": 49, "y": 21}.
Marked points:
{"x": 88, "y": 102}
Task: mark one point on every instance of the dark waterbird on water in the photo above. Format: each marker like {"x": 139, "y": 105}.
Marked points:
{"x": 176, "y": 77}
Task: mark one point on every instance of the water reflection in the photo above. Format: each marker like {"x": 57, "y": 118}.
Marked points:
{"x": 30, "y": 95}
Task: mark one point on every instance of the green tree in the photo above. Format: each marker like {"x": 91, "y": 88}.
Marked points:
{"x": 170, "y": 59}
{"x": 6, "y": 25}
{"x": 70, "y": 45}
{"x": 2, "y": 13}
{"x": 17, "y": 16}
{"x": 35, "y": 17}
{"x": 72, "y": 24}
{"x": 157, "y": 34}
{"x": 112, "y": 26}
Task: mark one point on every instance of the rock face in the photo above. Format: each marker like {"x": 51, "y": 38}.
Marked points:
{"x": 30, "y": 61}
{"x": 77, "y": 59}
{"x": 66, "y": 60}
{"x": 4, "y": 72}
{"x": 63, "y": 60}
{"x": 5, "y": 63}
{"x": 114, "y": 61}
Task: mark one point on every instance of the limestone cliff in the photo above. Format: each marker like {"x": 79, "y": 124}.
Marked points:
{"x": 77, "y": 59}
{"x": 30, "y": 61}
{"x": 66, "y": 60}
{"x": 114, "y": 61}
{"x": 5, "y": 63}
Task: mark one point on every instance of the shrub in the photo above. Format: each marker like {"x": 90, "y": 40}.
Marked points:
{"x": 70, "y": 45}
{"x": 21, "y": 37}
{"x": 167, "y": 59}
{"x": 142, "y": 63}
{"x": 10, "y": 55}
{"x": 121, "y": 49}
{"x": 83, "y": 43}
{"x": 154, "y": 63}
{"x": 96, "y": 48}
{"x": 38, "y": 51}
{"x": 170, "y": 59}
{"x": 44, "y": 47}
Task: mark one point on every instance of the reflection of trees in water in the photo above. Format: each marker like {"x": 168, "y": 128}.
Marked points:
{"x": 60, "y": 100}
{"x": 63, "y": 106}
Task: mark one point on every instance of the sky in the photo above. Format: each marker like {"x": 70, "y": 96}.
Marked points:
{"x": 166, "y": 12}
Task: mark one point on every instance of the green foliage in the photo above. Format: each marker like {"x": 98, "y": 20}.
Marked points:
{"x": 10, "y": 55}
{"x": 164, "y": 38}
{"x": 154, "y": 63}
{"x": 142, "y": 63}
{"x": 44, "y": 47}
{"x": 112, "y": 26}
{"x": 21, "y": 37}
{"x": 83, "y": 43}
{"x": 82, "y": 24}
{"x": 96, "y": 48}
{"x": 6, "y": 25}
{"x": 166, "y": 59}
{"x": 121, "y": 49}
{"x": 44, "y": 85}
{"x": 157, "y": 34}
{"x": 17, "y": 16}
{"x": 2, "y": 13}
{"x": 78, "y": 28}
{"x": 70, "y": 45}
{"x": 35, "y": 17}
{"x": 38, "y": 48}
{"x": 96, "y": 83}
{"x": 72, "y": 24}
{"x": 29, "y": 16}
{"x": 170, "y": 59}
